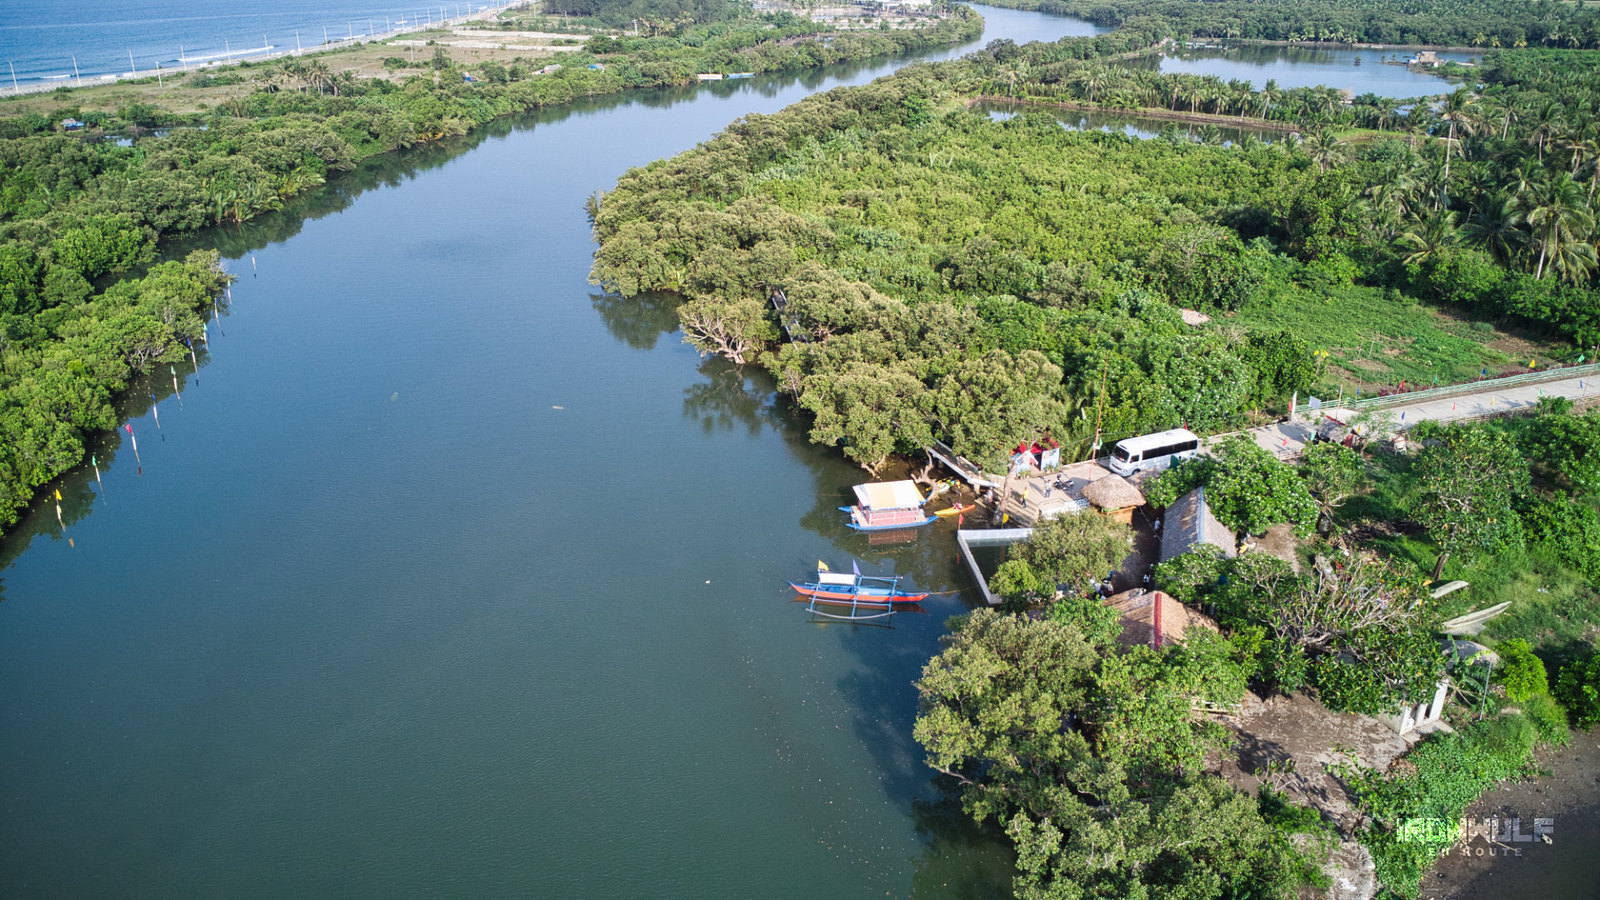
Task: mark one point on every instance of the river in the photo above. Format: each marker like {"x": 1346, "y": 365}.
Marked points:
{"x": 449, "y": 576}
{"x": 1365, "y": 71}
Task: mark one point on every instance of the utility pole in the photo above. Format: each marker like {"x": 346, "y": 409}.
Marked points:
{"x": 1099, "y": 407}
{"x": 75, "y": 73}
{"x": 297, "y": 42}
{"x": 13, "y": 66}
{"x": 131, "y": 65}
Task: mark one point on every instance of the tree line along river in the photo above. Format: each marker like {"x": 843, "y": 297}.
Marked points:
{"x": 447, "y": 576}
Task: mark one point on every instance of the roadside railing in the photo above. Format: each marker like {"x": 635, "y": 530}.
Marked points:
{"x": 1470, "y": 387}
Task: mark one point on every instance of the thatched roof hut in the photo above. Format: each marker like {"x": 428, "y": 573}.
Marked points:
{"x": 1113, "y": 492}
{"x": 1153, "y": 619}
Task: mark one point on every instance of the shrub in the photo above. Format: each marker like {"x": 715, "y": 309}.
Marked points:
{"x": 1520, "y": 671}
{"x": 1578, "y": 689}
{"x": 1548, "y": 718}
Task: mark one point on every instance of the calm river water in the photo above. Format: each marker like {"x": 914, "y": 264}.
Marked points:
{"x": 1366, "y": 71}
{"x": 450, "y": 577}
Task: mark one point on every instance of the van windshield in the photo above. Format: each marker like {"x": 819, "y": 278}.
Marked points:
{"x": 1119, "y": 453}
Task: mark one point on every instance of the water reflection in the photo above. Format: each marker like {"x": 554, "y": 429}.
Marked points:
{"x": 1131, "y": 124}
{"x": 1376, "y": 71}
{"x": 638, "y": 321}
{"x": 81, "y": 488}
{"x": 727, "y": 397}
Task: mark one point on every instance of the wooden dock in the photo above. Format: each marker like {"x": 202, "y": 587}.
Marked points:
{"x": 1030, "y": 496}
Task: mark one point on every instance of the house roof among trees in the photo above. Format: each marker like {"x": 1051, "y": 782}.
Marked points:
{"x": 1188, "y": 522}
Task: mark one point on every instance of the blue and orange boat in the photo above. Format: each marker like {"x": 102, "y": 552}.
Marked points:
{"x": 856, "y": 588}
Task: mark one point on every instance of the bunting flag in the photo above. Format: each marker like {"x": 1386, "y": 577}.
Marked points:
{"x": 135, "y": 439}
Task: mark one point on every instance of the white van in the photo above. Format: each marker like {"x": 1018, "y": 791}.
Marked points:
{"x": 1153, "y": 452}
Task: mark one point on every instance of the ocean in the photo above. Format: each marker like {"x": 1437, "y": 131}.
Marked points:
{"x": 40, "y": 42}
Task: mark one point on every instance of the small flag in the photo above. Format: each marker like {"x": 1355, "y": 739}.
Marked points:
{"x": 1402, "y": 417}
{"x": 822, "y": 566}
{"x": 1484, "y": 372}
{"x": 855, "y": 568}
{"x": 1532, "y": 363}
{"x": 129, "y": 427}
{"x": 58, "y": 494}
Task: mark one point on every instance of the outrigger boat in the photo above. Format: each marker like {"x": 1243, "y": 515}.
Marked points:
{"x": 957, "y": 510}
{"x": 855, "y": 597}
{"x": 839, "y": 587}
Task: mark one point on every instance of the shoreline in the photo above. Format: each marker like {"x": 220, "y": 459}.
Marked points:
{"x": 102, "y": 79}
{"x": 1145, "y": 112}
{"x": 1567, "y": 790}
{"x": 1331, "y": 45}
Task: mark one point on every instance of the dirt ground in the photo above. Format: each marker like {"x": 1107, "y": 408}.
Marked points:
{"x": 1279, "y": 541}
{"x": 1302, "y": 738}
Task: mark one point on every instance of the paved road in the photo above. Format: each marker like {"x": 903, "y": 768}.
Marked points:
{"x": 1288, "y": 438}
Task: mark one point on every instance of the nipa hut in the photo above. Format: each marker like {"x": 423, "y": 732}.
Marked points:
{"x": 1153, "y": 619}
{"x": 1115, "y": 496}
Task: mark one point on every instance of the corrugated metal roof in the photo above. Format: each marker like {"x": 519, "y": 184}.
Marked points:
{"x": 888, "y": 495}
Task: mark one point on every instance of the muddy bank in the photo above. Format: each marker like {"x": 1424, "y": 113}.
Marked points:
{"x": 1566, "y": 867}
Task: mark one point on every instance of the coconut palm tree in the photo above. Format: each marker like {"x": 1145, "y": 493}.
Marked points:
{"x": 1495, "y": 226}
{"x": 1557, "y": 214}
{"x": 1424, "y": 239}
{"x": 1324, "y": 149}
{"x": 1459, "y": 112}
